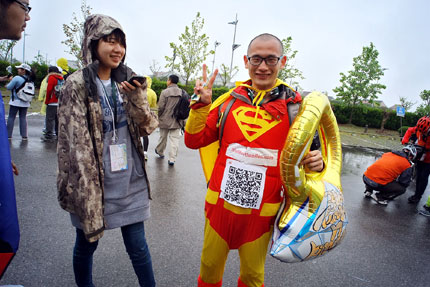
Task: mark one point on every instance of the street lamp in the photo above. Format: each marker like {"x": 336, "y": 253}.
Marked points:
{"x": 234, "y": 46}
{"x": 213, "y": 62}
{"x": 11, "y": 52}
{"x": 23, "y": 48}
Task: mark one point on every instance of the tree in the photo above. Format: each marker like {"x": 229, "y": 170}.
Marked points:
{"x": 40, "y": 60}
{"x": 424, "y": 108}
{"x": 362, "y": 83}
{"x": 75, "y": 32}
{"x": 155, "y": 68}
{"x": 405, "y": 103}
{"x": 224, "y": 73}
{"x": 289, "y": 73}
{"x": 6, "y": 47}
{"x": 192, "y": 50}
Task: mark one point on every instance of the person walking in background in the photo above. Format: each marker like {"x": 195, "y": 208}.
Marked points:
{"x": 422, "y": 167}
{"x": 17, "y": 105}
{"x": 42, "y": 93}
{"x": 102, "y": 181}
{"x": 42, "y": 97}
{"x": 390, "y": 175}
{"x": 54, "y": 84}
{"x": 13, "y": 18}
{"x": 152, "y": 101}
{"x": 170, "y": 128}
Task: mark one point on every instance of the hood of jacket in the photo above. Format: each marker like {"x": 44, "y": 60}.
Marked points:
{"x": 95, "y": 27}
{"x": 58, "y": 76}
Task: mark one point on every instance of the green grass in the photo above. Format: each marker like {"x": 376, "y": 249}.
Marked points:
{"x": 356, "y": 136}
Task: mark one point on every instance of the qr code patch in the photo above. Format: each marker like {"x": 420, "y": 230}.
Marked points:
{"x": 243, "y": 187}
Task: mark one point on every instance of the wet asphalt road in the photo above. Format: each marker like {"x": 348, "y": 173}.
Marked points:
{"x": 384, "y": 246}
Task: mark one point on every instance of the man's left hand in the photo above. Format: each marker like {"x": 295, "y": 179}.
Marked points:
{"x": 313, "y": 161}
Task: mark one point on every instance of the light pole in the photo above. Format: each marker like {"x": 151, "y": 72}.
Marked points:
{"x": 234, "y": 46}
{"x": 23, "y": 48}
{"x": 213, "y": 62}
{"x": 11, "y": 53}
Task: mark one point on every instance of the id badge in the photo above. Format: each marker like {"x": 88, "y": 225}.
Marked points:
{"x": 118, "y": 157}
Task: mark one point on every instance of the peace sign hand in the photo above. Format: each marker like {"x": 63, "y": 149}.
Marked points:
{"x": 204, "y": 88}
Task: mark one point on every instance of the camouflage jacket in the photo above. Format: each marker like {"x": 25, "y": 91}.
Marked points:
{"x": 80, "y": 143}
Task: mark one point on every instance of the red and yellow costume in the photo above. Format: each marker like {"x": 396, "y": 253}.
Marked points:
{"x": 254, "y": 134}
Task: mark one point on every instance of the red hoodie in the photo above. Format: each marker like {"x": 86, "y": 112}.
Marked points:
{"x": 51, "y": 96}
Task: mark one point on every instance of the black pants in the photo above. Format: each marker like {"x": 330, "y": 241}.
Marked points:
{"x": 145, "y": 143}
{"x": 388, "y": 191}
{"x": 423, "y": 172}
{"x": 51, "y": 120}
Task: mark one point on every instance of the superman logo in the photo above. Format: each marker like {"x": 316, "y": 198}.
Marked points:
{"x": 253, "y": 126}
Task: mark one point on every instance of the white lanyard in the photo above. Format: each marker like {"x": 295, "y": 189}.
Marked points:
{"x": 114, "y": 136}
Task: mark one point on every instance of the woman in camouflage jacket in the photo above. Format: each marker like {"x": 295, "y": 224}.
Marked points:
{"x": 102, "y": 180}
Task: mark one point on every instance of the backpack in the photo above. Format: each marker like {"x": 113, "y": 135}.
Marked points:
{"x": 58, "y": 86}
{"x": 57, "y": 89}
{"x": 182, "y": 108}
{"x": 26, "y": 91}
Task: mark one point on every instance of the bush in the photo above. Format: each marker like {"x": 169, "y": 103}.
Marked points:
{"x": 40, "y": 70}
{"x": 158, "y": 86}
{"x": 371, "y": 116}
{"x": 216, "y": 92}
{"x": 3, "y": 66}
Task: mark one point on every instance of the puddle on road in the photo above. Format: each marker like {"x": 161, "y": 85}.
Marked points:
{"x": 355, "y": 160}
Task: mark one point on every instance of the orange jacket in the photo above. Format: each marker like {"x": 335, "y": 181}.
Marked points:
{"x": 388, "y": 168}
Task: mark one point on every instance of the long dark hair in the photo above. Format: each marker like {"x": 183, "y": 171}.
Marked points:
{"x": 31, "y": 76}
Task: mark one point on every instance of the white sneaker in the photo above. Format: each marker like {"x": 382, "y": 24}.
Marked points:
{"x": 374, "y": 196}
{"x": 145, "y": 153}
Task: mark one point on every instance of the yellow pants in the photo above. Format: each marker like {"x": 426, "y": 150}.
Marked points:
{"x": 214, "y": 255}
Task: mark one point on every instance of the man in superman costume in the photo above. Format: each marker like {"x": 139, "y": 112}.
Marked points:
{"x": 240, "y": 137}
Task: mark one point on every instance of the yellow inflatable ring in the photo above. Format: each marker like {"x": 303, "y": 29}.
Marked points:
{"x": 312, "y": 219}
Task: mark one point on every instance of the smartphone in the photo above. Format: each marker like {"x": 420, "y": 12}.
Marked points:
{"x": 140, "y": 79}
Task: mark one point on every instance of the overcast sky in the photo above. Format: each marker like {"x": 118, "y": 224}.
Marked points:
{"x": 327, "y": 35}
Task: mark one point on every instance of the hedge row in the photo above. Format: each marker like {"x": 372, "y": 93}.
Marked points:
{"x": 362, "y": 115}
{"x": 40, "y": 70}
{"x": 365, "y": 115}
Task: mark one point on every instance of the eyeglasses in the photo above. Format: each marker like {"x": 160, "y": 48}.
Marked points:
{"x": 270, "y": 61}
{"x": 24, "y": 6}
